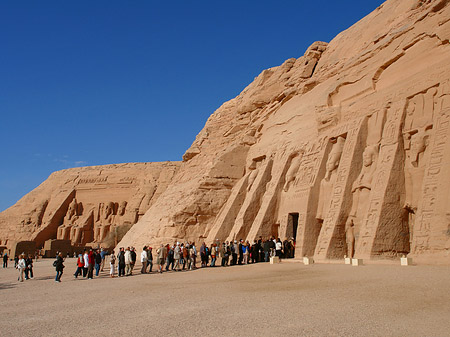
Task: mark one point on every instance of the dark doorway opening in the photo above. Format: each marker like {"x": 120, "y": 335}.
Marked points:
{"x": 291, "y": 231}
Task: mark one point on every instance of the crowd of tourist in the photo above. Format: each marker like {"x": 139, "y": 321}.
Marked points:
{"x": 175, "y": 257}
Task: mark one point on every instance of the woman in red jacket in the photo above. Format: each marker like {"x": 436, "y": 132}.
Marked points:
{"x": 80, "y": 265}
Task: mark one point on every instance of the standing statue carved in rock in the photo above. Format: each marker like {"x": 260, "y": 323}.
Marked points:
{"x": 327, "y": 183}
{"x": 362, "y": 186}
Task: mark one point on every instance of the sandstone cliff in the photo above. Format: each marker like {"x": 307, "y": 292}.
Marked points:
{"x": 345, "y": 148}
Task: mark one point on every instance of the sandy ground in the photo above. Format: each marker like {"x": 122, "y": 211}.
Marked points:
{"x": 254, "y": 300}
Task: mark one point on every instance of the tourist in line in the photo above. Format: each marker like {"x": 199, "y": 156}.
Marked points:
{"x": 203, "y": 255}
{"x": 150, "y": 259}
{"x": 86, "y": 263}
{"x": 29, "y": 267}
{"x": 169, "y": 259}
{"x": 121, "y": 264}
{"x": 5, "y": 260}
{"x": 59, "y": 266}
{"x": 20, "y": 267}
{"x": 213, "y": 251}
{"x": 193, "y": 256}
{"x": 133, "y": 259}
{"x": 80, "y": 266}
{"x": 161, "y": 257}
{"x": 182, "y": 258}
{"x": 176, "y": 257}
{"x": 241, "y": 251}
{"x": 128, "y": 261}
{"x": 278, "y": 248}
{"x": 16, "y": 260}
{"x": 112, "y": 264}
{"x": 144, "y": 259}
{"x": 103, "y": 254}
{"x": 98, "y": 262}
{"x": 186, "y": 258}
{"x": 245, "y": 253}
{"x": 91, "y": 259}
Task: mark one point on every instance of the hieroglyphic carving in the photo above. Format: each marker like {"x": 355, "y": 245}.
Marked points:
{"x": 416, "y": 133}
{"x": 426, "y": 210}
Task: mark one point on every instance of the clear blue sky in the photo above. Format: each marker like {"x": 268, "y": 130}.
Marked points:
{"x": 101, "y": 82}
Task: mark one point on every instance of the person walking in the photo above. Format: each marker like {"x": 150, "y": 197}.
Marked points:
{"x": 80, "y": 265}
{"x": 112, "y": 264}
{"x": 29, "y": 267}
{"x": 144, "y": 259}
{"x": 20, "y": 267}
{"x": 59, "y": 266}
{"x": 5, "y": 260}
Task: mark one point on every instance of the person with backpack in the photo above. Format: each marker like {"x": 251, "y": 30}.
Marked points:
{"x": 161, "y": 257}
{"x": 59, "y": 266}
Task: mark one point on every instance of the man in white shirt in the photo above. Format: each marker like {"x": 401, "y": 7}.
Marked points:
{"x": 144, "y": 260}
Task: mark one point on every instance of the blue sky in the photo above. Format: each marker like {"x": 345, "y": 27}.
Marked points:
{"x": 102, "y": 82}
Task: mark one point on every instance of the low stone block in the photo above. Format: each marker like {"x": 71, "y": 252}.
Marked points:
{"x": 348, "y": 260}
{"x": 357, "y": 262}
{"x": 274, "y": 259}
{"x": 308, "y": 260}
{"x": 405, "y": 261}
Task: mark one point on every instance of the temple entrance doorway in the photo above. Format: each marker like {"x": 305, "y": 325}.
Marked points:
{"x": 291, "y": 230}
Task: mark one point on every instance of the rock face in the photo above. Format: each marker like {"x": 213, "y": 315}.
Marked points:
{"x": 88, "y": 206}
{"x": 346, "y": 149}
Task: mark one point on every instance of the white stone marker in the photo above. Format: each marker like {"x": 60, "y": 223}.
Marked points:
{"x": 405, "y": 261}
{"x": 357, "y": 262}
{"x": 348, "y": 260}
{"x": 308, "y": 260}
{"x": 274, "y": 259}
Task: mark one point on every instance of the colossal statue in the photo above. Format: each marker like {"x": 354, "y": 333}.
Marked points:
{"x": 326, "y": 185}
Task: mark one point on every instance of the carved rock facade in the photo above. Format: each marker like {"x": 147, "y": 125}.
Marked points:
{"x": 345, "y": 148}
{"x": 88, "y": 206}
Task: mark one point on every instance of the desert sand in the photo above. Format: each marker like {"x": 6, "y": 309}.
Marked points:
{"x": 254, "y": 300}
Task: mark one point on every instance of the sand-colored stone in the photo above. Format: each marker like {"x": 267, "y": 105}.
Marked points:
{"x": 356, "y": 130}
{"x": 85, "y": 206}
